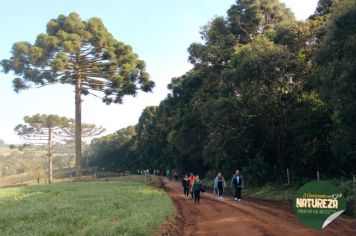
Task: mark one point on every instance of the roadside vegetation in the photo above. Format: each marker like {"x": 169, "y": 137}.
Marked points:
{"x": 267, "y": 94}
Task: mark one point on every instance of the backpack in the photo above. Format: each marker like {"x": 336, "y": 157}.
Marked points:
{"x": 202, "y": 188}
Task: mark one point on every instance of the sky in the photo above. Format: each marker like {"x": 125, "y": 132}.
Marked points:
{"x": 159, "y": 31}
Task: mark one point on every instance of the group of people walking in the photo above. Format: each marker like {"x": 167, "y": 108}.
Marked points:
{"x": 193, "y": 185}
{"x": 237, "y": 184}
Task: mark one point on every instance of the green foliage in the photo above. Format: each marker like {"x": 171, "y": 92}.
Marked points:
{"x": 111, "y": 150}
{"x": 245, "y": 20}
{"x": 42, "y": 128}
{"x": 266, "y": 93}
{"x": 94, "y": 208}
{"x": 336, "y": 75}
{"x": 348, "y": 189}
{"x": 73, "y": 49}
{"x": 323, "y": 7}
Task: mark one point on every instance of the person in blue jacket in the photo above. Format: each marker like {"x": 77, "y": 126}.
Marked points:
{"x": 237, "y": 182}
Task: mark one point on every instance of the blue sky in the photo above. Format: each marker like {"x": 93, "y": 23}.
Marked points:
{"x": 160, "y": 31}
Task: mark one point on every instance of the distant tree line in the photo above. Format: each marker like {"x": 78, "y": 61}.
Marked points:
{"x": 267, "y": 93}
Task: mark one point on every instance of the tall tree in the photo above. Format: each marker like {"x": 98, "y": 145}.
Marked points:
{"x": 336, "y": 73}
{"x": 251, "y": 100}
{"x": 81, "y": 53}
{"x": 43, "y": 128}
{"x": 245, "y": 20}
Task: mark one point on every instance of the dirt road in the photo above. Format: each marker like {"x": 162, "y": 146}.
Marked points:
{"x": 248, "y": 217}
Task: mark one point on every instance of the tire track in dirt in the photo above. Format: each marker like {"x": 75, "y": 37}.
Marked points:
{"x": 248, "y": 217}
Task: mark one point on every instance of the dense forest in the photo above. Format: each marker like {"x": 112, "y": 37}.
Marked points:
{"x": 266, "y": 93}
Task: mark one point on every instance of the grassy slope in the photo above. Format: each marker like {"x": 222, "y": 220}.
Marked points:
{"x": 83, "y": 208}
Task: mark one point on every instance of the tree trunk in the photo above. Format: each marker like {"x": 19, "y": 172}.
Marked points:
{"x": 78, "y": 126}
{"x": 50, "y": 155}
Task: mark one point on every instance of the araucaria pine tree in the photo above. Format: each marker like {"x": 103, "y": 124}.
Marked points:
{"x": 81, "y": 53}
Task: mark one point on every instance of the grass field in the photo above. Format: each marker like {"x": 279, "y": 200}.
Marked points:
{"x": 83, "y": 208}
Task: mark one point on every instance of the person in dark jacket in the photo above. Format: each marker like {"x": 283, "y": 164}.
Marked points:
{"x": 237, "y": 182}
{"x": 185, "y": 185}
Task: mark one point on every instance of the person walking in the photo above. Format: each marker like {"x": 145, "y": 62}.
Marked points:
{"x": 219, "y": 185}
{"x": 169, "y": 174}
{"x": 237, "y": 182}
{"x": 196, "y": 186}
{"x": 191, "y": 181}
{"x": 185, "y": 185}
{"x": 176, "y": 176}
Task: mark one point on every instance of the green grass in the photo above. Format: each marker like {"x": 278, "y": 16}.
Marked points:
{"x": 83, "y": 208}
{"x": 270, "y": 192}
